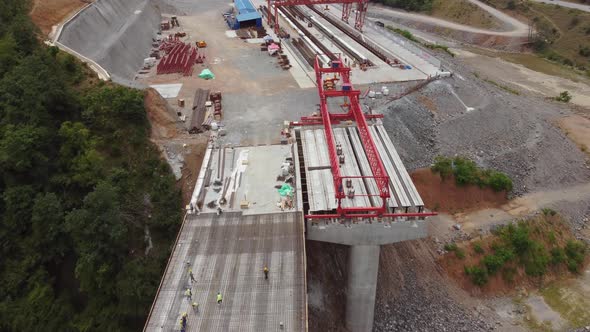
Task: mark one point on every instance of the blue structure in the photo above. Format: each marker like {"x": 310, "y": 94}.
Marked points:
{"x": 246, "y": 15}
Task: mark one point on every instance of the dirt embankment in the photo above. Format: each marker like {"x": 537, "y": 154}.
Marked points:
{"x": 446, "y": 196}
{"x": 550, "y": 231}
{"x": 184, "y": 152}
{"x": 160, "y": 114}
{"x": 47, "y": 13}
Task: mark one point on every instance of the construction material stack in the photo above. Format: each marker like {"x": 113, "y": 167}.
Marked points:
{"x": 180, "y": 57}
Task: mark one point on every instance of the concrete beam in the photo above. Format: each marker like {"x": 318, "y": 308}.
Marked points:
{"x": 363, "y": 265}
{"x": 364, "y": 233}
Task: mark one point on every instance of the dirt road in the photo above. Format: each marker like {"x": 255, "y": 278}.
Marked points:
{"x": 516, "y": 28}
{"x": 567, "y": 4}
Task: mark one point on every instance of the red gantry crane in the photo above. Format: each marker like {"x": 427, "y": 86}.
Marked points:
{"x": 355, "y": 113}
{"x": 361, "y": 10}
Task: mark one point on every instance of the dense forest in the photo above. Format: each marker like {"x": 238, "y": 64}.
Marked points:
{"x": 82, "y": 192}
{"x": 411, "y": 5}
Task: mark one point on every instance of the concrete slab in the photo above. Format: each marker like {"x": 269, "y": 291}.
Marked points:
{"x": 250, "y": 175}
{"x": 227, "y": 254}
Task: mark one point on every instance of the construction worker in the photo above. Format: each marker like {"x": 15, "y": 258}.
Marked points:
{"x": 265, "y": 272}
{"x": 190, "y": 273}
{"x": 195, "y": 307}
{"x": 219, "y": 298}
{"x": 189, "y": 293}
{"x": 183, "y": 321}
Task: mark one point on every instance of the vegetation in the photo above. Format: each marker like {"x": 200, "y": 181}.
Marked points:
{"x": 477, "y": 248}
{"x": 531, "y": 246}
{"x": 561, "y": 33}
{"x": 564, "y": 97}
{"x": 466, "y": 172}
{"x": 411, "y": 5}
{"x": 79, "y": 185}
{"x": 478, "y": 275}
{"x": 459, "y": 252}
{"x": 408, "y": 35}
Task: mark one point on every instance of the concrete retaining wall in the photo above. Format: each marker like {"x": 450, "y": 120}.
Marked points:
{"x": 116, "y": 34}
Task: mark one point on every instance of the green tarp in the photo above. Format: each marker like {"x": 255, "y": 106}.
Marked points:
{"x": 286, "y": 190}
{"x": 206, "y": 74}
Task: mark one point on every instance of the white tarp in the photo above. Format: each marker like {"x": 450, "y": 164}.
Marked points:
{"x": 167, "y": 90}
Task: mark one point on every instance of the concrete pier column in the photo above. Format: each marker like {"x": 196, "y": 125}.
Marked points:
{"x": 363, "y": 265}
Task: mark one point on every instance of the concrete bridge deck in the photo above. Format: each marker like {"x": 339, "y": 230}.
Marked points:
{"x": 227, "y": 253}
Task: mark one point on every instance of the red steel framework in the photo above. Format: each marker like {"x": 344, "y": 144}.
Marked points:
{"x": 361, "y": 10}
{"x": 356, "y": 114}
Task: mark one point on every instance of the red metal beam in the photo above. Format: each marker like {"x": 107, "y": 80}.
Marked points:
{"x": 361, "y": 10}
{"x": 334, "y": 163}
{"x": 310, "y": 2}
{"x": 346, "y": 9}
{"x": 361, "y": 13}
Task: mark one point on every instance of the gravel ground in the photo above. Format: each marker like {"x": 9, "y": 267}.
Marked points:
{"x": 428, "y": 301}
{"x": 511, "y": 133}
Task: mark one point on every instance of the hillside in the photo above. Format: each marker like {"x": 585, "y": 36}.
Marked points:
{"x": 88, "y": 210}
{"x": 46, "y": 14}
{"x": 459, "y": 11}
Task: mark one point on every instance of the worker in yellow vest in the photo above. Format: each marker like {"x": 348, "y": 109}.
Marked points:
{"x": 265, "y": 273}
{"x": 219, "y": 298}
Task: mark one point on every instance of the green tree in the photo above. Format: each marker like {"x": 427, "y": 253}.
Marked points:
{"x": 97, "y": 223}
{"x": 22, "y": 149}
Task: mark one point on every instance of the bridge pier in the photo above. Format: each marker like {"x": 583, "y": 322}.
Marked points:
{"x": 363, "y": 266}
{"x": 365, "y": 240}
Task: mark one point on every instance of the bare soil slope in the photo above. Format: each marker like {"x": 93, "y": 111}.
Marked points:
{"x": 446, "y": 196}
{"x": 47, "y": 13}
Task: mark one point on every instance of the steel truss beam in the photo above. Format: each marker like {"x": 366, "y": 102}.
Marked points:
{"x": 361, "y": 10}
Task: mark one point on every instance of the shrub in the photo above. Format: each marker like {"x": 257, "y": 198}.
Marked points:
{"x": 460, "y": 253}
{"x": 575, "y": 252}
{"x": 493, "y": 263}
{"x": 518, "y": 236}
{"x": 478, "y": 275}
{"x": 499, "y": 181}
{"x": 506, "y": 253}
{"x": 548, "y": 212}
{"x": 443, "y": 166}
{"x": 551, "y": 237}
{"x": 557, "y": 256}
{"x": 450, "y": 246}
{"x": 584, "y": 51}
{"x": 536, "y": 260}
{"x": 564, "y": 97}
{"x": 477, "y": 248}
{"x": 465, "y": 171}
